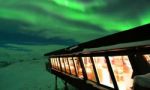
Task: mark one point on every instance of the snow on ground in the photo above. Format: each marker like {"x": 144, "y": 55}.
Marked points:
{"x": 28, "y": 75}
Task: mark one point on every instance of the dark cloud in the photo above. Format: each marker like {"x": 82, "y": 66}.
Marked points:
{"x": 127, "y": 7}
{"x": 11, "y": 47}
{"x": 11, "y": 32}
{"x": 85, "y": 1}
{"x": 41, "y": 11}
{"x": 79, "y": 24}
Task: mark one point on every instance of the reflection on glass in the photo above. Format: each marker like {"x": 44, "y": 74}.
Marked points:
{"x": 62, "y": 64}
{"x": 102, "y": 71}
{"x": 58, "y": 64}
{"x": 89, "y": 68}
{"x": 52, "y": 62}
{"x": 78, "y": 67}
{"x": 147, "y": 58}
{"x": 72, "y": 68}
{"x": 123, "y": 71}
{"x": 66, "y": 65}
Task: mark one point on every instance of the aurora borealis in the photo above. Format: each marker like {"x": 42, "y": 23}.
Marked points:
{"x": 31, "y": 28}
{"x": 38, "y": 26}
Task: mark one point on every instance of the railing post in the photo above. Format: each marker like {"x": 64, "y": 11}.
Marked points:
{"x": 111, "y": 73}
{"x": 60, "y": 63}
{"x": 74, "y": 67}
{"x": 68, "y": 65}
{"x": 95, "y": 72}
{"x": 83, "y": 69}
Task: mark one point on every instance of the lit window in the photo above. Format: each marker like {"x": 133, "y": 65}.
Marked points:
{"x": 52, "y": 62}
{"x": 147, "y": 58}
{"x": 102, "y": 71}
{"x": 78, "y": 67}
{"x": 58, "y": 64}
{"x": 62, "y": 64}
{"x": 66, "y": 65}
{"x": 71, "y": 64}
{"x": 89, "y": 68}
{"x": 123, "y": 71}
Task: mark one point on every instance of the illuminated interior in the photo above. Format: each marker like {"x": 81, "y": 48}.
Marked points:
{"x": 78, "y": 67}
{"x": 123, "y": 71}
{"x": 120, "y": 65}
{"x": 89, "y": 68}
{"x": 58, "y": 64}
{"x": 52, "y": 62}
{"x": 102, "y": 71}
{"x": 66, "y": 65}
{"x": 147, "y": 57}
{"x": 71, "y": 64}
{"x": 62, "y": 64}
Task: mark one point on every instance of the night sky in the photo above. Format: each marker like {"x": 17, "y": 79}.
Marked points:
{"x": 30, "y": 28}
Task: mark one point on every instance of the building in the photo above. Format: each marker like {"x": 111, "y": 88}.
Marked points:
{"x": 106, "y": 63}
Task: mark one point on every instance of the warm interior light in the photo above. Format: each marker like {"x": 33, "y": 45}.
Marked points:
{"x": 147, "y": 57}
{"x": 62, "y": 64}
{"x": 66, "y": 65}
{"x": 78, "y": 67}
{"x": 72, "y": 68}
{"x": 123, "y": 71}
{"x": 102, "y": 71}
{"x": 89, "y": 68}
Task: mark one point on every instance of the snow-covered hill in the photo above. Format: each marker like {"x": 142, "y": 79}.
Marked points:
{"x": 28, "y": 75}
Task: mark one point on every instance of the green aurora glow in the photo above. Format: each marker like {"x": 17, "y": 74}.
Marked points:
{"x": 42, "y": 12}
{"x": 74, "y": 21}
{"x": 31, "y": 28}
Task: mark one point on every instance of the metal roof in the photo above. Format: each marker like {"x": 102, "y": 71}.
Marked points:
{"x": 121, "y": 39}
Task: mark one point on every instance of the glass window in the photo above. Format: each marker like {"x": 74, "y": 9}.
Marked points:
{"x": 78, "y": 67}
{"x": 66, "y": 65}
{"x": 147, "y": 57}
{"x": 123, "y": 71}
{"x": 58, "y": 64}
{"x": 62, "y": 64}
{"x": 71, "y": 64}
{"x": 89, "y": 68}
{"x": 54, "y": 65}
{"x": 52, "y": 62}
{"x": 102, "y": 71}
